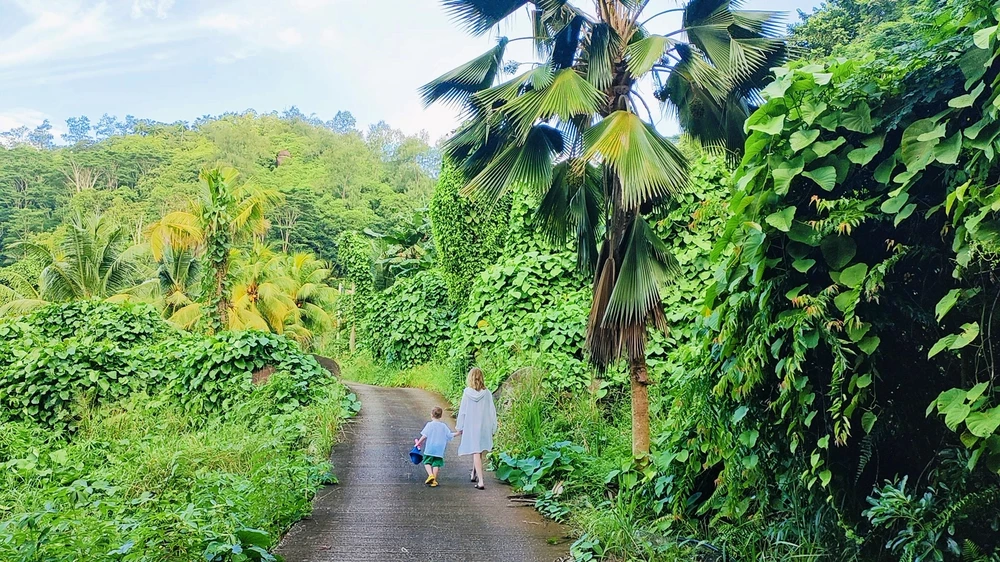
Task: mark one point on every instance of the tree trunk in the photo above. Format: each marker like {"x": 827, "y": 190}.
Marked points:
{"x": 352, "y": 344}
{"x": 640, "y": 408}
{"x": 222, "y": 299}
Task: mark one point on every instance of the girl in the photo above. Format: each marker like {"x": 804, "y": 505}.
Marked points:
{"x": 477, "y": 422}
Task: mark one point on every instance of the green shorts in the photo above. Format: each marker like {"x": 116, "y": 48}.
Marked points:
{"x": 435, "y": 462}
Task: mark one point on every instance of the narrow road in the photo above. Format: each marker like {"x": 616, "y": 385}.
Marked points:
{"x": 381, "y": 510}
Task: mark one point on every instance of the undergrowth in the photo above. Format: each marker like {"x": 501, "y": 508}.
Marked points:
{"x": 143, "y": 480}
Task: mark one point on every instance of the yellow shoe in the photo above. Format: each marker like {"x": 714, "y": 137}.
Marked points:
{"x": 434, "y": 482}
{"x": 429, "y": 480}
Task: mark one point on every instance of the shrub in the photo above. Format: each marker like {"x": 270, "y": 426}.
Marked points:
{"x": 404, "y": 324}
{"x": 89, "y": 350}
{"x": 213, "y": 373}
{"x": 533, "y": 308}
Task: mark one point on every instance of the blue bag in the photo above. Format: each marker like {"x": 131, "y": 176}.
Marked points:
{"x": 415, "y": 456}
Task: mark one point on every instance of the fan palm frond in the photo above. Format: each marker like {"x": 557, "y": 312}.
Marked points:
{"x": 648, "y": 166}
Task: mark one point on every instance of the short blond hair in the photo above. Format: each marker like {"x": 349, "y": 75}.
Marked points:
{"x": 475, "y": 379}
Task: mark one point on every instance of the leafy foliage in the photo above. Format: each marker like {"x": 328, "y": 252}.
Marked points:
{"x": 469, "y": 235}
{"x": 63, "y": 353}
{"x": 530, "y": 307}
{"x": 545, "y": 466}
{"x": 214, "y": 373}
{"x": 405, "y": 324}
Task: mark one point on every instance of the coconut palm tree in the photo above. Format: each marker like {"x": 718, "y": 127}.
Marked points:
{"x": 18, "y": 294}
{"x": 307, "y": 285}
{"x": 93, "y": 259}
{"x": 225, "y": 214}
{"x": 576, "y": 132}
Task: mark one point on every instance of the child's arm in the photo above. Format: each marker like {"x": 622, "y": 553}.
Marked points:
{"x": 419, "y": 442}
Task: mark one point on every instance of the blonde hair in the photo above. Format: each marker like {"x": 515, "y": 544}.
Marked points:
{"x": 475, "y": 379}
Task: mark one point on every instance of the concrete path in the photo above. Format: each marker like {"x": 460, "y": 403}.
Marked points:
{"x": 381, "y": 510}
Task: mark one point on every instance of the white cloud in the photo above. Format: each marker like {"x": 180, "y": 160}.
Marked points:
{"x": 223, "y": 21}
{"x": 157, "y": 7}
{"x": 30, "y": 118}
{"x": 232, "y": 57}
{"x": 289, "y": 37}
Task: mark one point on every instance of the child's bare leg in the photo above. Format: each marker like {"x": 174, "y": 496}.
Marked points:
{"x": 477, "y": 463}
{"x": 430, "y": 472}
{"x": 437, "y": 470}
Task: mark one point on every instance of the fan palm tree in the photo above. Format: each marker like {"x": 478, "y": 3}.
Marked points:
{"x": 576, "y": 132}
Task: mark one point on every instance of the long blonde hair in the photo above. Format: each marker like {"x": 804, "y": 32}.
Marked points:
{"x": 475, "y": 379}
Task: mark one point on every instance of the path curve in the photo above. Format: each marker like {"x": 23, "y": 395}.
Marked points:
{"x": 381, "y": 510}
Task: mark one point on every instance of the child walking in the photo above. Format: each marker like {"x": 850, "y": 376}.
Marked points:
{"x": 434, "y": 438}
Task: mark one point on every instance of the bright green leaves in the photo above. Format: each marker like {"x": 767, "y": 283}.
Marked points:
{"x": 648, "y": 166}
{"x": 966, "y": 100}
{"x": 858, "y": 119}
{"x": 749, "y": 438}
{"x": 894, "y": 204}
{"x": 948, "y": 150}
{"x": 983, "y": 424}
{"x": 957, "y": 341}
{"x": 872, "y": 146}
{"x": 811, "y": 109}
{"x": 568, "y": 95}
{"x": 854, "y": 275}
{"x": 868, "y": 421}
{"x": 984, "y": 37}
{"x": 768, "y": 125}
{"x": 959, "y": 406}
{"x": 785, "y": 172}
{"x": 946, "y": 303}
{"x": 801, "y": 139}
{"x": 782, "y": 220}
{"x": 825, "y": 177}
{"x": 822, "y": 149}
{"x": 643, "y": 54}
{"x": 918, "y": 143}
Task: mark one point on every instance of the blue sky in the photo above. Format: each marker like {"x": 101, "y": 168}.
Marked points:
{"x": 179, "y": 59}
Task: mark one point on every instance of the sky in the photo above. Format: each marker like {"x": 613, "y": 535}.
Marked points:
{"x": 170, "y": 60}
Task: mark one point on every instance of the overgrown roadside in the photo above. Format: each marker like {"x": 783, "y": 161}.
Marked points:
{"x": 156, "y": 445}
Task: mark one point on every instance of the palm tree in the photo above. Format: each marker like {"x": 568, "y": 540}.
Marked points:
{"x": 18, "y": 295}
{"x": 307, "y": 285}
{"x": 576, "y": 132}
{"x": 92, "y": 260}
{"x": 178, "y": 274}
{"x": 225, "y": 214}
{"x": 260, "y": 297}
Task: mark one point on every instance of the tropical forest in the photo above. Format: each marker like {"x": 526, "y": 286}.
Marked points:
{"x": 730, "y": 276}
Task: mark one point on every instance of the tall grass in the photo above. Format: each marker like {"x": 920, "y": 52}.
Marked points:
{"x": 143, "y": 480}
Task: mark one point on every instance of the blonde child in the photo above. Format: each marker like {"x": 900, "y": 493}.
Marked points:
{"x": 433, "y": 440}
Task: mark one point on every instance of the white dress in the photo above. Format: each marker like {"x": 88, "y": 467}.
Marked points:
{"x": 477, "y": 420}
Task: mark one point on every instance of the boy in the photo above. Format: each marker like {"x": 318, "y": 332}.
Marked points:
{"x": 435, "y": 436}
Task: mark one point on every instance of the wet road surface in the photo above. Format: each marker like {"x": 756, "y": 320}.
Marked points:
{"x": 381, "y": 510}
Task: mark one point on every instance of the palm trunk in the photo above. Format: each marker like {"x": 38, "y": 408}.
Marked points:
{"x": 640, "y": 408}
{"x": 221, "y": 298}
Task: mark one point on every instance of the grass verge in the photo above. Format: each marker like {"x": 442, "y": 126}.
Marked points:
{"x": 142, "y": 480}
